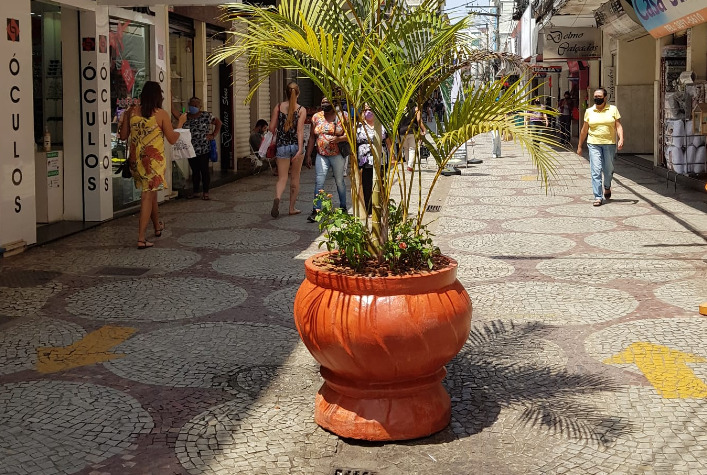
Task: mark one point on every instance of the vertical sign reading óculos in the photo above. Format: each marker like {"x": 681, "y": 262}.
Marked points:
{"x": 95, "y": 117}
{"x": 17, "y": 200}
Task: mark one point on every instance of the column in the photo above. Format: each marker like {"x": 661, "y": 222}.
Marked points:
{"x": 95, "y": 115}
{"x": 17, "y": 194}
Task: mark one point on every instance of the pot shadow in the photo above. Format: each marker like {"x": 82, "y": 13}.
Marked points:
{"x": 508, "y": 364}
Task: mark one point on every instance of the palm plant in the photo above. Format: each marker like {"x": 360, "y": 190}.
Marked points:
{"x": 388, "y": 55}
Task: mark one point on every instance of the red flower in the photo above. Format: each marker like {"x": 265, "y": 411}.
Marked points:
{"x": 402, "y": 245}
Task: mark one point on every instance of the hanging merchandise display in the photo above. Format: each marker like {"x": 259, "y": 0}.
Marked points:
{"x": 682, "y": 144}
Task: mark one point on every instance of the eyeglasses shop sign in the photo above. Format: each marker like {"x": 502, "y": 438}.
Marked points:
{"x": 571, "y": 43}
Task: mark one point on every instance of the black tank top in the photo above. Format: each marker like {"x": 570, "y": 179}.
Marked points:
{"x": 289, "y": 137}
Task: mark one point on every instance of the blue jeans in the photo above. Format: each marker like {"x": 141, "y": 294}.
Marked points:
{"x": 287, "y": 151}
{"x": 322, "y": 165}
{"x": 601, "y": 160}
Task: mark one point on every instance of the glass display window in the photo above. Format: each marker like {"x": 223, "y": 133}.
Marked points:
{"x": 47, "y": 73}
{"x": 129, "y": 70}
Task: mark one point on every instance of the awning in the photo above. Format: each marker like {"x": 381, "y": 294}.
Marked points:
{"x": 171, "y": 3}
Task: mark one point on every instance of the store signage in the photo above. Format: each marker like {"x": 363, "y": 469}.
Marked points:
{"x": 227, "y": 145}
{"x": 663, "y": 17}
{"x": 95, "y": 117}
{"x": 565, "y": 43}
{"x": 546, "y": 69}
{"x": 17, "y": 191}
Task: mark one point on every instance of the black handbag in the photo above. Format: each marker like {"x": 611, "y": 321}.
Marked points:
{"x": 125, "y": 171}
{"x": 345, "y": 149}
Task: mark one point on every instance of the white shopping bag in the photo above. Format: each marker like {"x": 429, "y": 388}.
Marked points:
{"x": 183, "y": 147}
{"x": 267, "y": 140}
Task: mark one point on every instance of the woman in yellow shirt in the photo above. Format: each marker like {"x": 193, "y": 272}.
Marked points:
{"x": 602, "y": 126}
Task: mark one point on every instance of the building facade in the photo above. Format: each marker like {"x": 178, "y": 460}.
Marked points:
{"x": 72, "y": 67}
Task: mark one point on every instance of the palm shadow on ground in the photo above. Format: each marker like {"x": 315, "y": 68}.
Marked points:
{"x": 509, "y": 364}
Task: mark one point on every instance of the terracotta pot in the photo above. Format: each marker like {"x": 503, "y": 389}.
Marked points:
{"x": 382, "y": 343}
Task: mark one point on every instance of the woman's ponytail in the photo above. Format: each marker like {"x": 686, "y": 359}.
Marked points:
{"x": 291, "y": 92}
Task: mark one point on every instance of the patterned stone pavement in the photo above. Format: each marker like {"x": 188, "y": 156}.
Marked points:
{"x": 587, "y": 353}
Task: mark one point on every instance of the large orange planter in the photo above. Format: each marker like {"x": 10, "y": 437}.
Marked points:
{"x": 382, "y": 343}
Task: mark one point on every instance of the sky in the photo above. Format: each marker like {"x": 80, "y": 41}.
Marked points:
{"x": 456, "y": 8}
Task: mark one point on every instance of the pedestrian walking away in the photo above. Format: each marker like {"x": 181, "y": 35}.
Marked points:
{"x": 604, "y": 134}
{"x": 407, "y": 130}
{"x": 147, "y": 126}
{"x": 366, "y": 139}
{"x": 536, "y": 117}
{"x": 327, "y": 132}
{"x": 566, "y": 106}
{"x": 204, "y": 127}
{"x": 287, "y": 122}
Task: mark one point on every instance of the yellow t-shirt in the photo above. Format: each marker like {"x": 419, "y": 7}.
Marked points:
{"x": 602, "y": 124}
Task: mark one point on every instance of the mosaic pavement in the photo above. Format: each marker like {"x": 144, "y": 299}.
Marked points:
{"x": 587, "y": 352}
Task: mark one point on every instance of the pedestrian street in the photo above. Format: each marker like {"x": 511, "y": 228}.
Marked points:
{"x": 587, "y": 351}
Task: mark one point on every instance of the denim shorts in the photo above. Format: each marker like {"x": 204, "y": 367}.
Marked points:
{"x": 287, "y": 151}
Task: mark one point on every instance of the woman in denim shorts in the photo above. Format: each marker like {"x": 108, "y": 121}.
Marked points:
{"x": 288, "y": 121}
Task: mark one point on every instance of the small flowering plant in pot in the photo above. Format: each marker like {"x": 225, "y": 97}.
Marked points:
{"x": 382, "y": 310}
{"x": 407, "y": 251}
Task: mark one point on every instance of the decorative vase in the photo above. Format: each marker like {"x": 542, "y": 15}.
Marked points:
{"x": 382, "y": 343}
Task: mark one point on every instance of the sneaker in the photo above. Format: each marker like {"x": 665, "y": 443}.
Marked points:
{"x": 409, "y": 169}
{"x": 493, "y": 155}
{"x": 312, "y": 218}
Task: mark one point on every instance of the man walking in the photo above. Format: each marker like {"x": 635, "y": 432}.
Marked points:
{"x": 602, "y": 126}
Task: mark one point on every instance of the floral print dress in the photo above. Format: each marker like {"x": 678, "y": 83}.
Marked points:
{"x": 147, "y": 146}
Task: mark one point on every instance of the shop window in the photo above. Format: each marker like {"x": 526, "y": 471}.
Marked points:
{"x": 129, "y": 70}
{"x": 46, "y": 73}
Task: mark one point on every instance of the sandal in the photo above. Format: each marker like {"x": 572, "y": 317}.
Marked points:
{"x": 597, "y": 202}
{"x": 205, "y": 197}
{"x": 158, "y": 232}
{"x": 145, "y": 244}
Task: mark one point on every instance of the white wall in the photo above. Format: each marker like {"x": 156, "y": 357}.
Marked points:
{"x": 17, "y": 180}
{"x": 635, "y": 70}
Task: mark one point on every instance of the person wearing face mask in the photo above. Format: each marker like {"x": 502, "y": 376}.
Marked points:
{"x": 204, "y": 127}
{"x": 327, "y": 133}
{"x": 366, "y": 138}
{"x": 602, "y": 126}
{"x": 566, "y": 106}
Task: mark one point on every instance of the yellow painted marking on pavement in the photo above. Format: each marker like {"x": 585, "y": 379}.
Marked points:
{"x": 528, "y": 178}
{"x": 93, "y": 348}
{"x": 666, "y": 369}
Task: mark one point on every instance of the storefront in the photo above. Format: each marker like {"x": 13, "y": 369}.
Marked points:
{"x": 681, "y": 33}
{"x": 72, "y": 66}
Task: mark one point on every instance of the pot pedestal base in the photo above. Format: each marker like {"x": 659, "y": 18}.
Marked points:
{"x": 384, "y": 413}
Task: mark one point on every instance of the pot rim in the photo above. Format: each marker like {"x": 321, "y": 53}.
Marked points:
{"x": 381, "y": 285}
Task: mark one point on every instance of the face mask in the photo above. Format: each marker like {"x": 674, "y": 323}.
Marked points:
{"x": 368, "y": 115}
{"x": 598, "y": 100}
{"x": 193, "y": 110}
{"x": 327, "y": 107}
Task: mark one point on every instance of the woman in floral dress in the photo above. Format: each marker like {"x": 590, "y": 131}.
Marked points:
{"x": 149, "y": 126}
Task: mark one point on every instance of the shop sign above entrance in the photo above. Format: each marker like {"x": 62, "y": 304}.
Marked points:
{"x": 663, "y": 17}
{"x": 563, "y": 43}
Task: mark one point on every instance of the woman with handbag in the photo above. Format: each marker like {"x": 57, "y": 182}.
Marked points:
{"x": 147, "y": 126}
{"x": 328, "y": 136}
{"x": 200, "y": 124}
{"x": 287, "y": 125}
